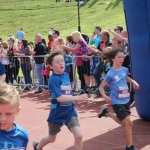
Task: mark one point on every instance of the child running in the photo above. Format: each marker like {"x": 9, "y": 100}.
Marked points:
{"x": 62, "y": 110}
{"x": 117, "y": 78}
{"x": 12, "y": 136}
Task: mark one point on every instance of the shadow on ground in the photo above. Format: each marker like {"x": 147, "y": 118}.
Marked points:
{"x": 113, "y": 4}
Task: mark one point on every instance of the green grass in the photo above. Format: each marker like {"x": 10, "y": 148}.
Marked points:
{"x": 37, "y": 16}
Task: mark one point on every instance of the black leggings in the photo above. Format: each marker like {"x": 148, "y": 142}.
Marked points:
{"x": 10, "y": 72}
{"x": 46, "y": 79}
{"x": 81, "y": 77}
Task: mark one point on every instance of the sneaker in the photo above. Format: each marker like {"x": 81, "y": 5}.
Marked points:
{"x": 103, "y": 112}
{"x": 107, "y": 90}
{"x": 34, "y": 144}
{"x": 131, "y": 148}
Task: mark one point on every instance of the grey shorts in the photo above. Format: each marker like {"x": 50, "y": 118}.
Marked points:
{"x": 55, "y": 128}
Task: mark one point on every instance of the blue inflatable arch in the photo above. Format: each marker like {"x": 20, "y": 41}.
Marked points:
{"x": 137, "y": 13}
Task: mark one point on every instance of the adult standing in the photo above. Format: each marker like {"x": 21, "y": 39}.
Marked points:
{"x": 106, "y": 42}
{"x": 56, "y": 35}
{"x": 13, "y": 61}
{"x": 81, "y": 46}
{"x": 25, "y": 61}
{"x": 51, "y": 31}
{"x": 96, "y": 40}
{"x": 39, "y": 49}
{"x": 20, "y": 34}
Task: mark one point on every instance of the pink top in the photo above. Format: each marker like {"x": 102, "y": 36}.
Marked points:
{"x": 46, "y": 71}
{"x": 78, "y": 60}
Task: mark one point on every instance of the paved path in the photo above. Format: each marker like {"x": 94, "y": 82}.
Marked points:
{"x": 99, "y": 134}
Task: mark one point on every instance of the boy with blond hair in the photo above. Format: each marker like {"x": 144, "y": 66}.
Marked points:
{"x": 12, "y": 136}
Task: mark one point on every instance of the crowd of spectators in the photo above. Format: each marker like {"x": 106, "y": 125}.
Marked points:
{"x": 86, "y": 53}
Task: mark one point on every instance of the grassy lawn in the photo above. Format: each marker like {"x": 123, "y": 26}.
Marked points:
{"x": 37, "y": 16}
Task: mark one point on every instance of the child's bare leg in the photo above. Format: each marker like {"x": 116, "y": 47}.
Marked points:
{"x": 128, "y": 130}
{"x": 78, "y": 137}
{"x": 46, "y": 140}
{"x": 113, "y": 116}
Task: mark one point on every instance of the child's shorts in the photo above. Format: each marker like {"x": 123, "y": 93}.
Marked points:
{"x": 122, "y": 110}
{"x": 86, "y": 67}
{"x": 55, "y": 128}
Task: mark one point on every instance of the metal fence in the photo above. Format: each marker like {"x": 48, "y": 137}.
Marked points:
{"x": 28, "y": 73}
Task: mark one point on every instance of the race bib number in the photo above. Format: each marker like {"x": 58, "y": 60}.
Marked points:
{"x": 123, "y": 92}
{"x": 66, "y": 90}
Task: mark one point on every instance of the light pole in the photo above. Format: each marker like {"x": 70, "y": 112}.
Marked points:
{"x": 79, "y": 27}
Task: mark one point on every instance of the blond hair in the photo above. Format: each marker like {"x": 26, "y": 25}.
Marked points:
{"x": 9, "y": 95}
{"x": 61, "y": 40}
{"x": 77, "y": 36}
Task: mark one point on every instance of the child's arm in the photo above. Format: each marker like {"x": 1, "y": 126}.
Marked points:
{"x": 70, "y": 98}
{"x": 101, "y": 89}
{"x": 135, "y": 84}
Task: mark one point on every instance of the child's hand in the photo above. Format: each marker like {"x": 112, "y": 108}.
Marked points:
{"x": 83, "y": 97}
{"x": 136, "y": 85}
{"x": 83, "y": 56}
{"x": 108, "y": 100}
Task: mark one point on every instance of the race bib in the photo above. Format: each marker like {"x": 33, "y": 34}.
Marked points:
{"x": 66, "y": 90}
{"x": 123, "y": 92}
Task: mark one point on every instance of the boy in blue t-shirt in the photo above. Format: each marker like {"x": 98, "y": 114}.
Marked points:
{"x": 117, "y": 78}
{"x": 12, "y": 136}
{"x": 62, "y": 104}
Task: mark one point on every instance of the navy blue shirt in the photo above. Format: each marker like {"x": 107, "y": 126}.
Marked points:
{"x": 2, "y": 69}
{"x": 60, "y": 112}
{"x": 16, "y": 138}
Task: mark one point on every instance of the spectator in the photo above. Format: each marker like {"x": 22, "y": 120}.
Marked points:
{"x": 2, "y": 73}
{"x": 118, "y": 29}
{"x": 69, "y": 43}
{"x": 20, "y": 34}
{"x": 5, "y": 60}
{"x": 51, "y": 31}
{"x": 44, "y": 41}
{"x": 106, "y": 42}
{"x": 1, "y": 40}
{"x": 25, "y": 62}
{"x": 97, "y": 39}
{"x": 39, "y": 49}
{"x": 51, "y": 41}
{"x": 82, "y": 46}
{"x": 14, "y": 62}
{"x": 46, "y": 71}
{"x": 56, "y": 35}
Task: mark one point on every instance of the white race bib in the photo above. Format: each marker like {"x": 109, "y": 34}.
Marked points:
{"x": 123, "y": 92}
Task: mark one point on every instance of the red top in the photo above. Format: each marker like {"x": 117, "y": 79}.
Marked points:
{"x": 50, "y": 43}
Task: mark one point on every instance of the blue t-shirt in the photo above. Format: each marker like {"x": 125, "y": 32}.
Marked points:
{"x": 68, "y": 61}
{"x": 60, "y": 112}
{"x": 116, "y": 80}
{"x": 95, "y": 60}
{"x": 96, "y": 41}
{"x": 16, "y": 138}
{"x": 20, "y": 35}
{"x": 2, "y": 69}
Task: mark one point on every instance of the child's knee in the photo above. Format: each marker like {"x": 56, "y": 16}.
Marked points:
{"x": 128, "y": 123}
{"x": 79, "y": 138}
{"x": 51, "y": 139}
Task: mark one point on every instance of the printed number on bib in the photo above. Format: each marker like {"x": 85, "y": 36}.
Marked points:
{"x": 123, "y": 92}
